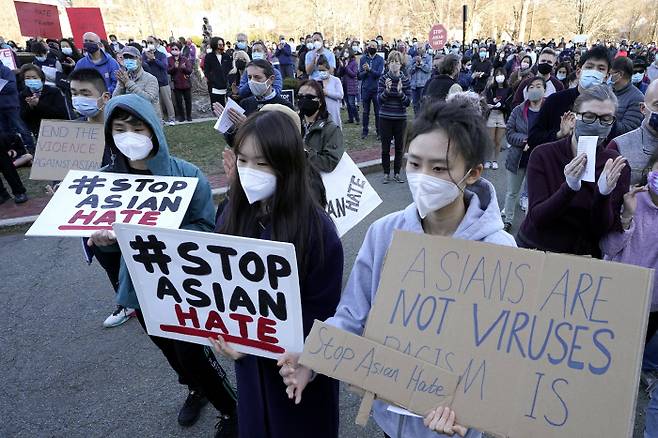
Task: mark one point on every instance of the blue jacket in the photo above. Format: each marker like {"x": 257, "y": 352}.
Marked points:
{"x": 9, "y": 93}
{"x": 284, "y": 55}
{"x": 419, "y": 74}
{"x": 107, "y": 68}
{"x": 157, "y": 67}
{"x": 482, "y": 223}
{"x": 370, "y": 79}
{"x": 200, "y": 214}
{"x": 244, "y": 90}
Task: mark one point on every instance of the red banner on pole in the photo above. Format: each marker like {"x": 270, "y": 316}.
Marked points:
{"x": 438, "y": 36}
{"x": 38, "y": 20}
{"x": 86, "y": 20}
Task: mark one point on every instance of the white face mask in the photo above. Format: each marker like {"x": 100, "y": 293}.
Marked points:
{"x": 132, "y": 145}
{"x": 258, "y": 89}
{"x": 500, "y": 79}
{"x": 317, "y": 44}
{"x": 431, "y": 193}
{"x": 257, "y": 185}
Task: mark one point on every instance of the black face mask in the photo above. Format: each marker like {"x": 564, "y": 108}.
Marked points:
{"x": 372, "y": 51}
{"x": 544, "y": 68}
{"x": 308, "y": 107}
{"x": 240, "y": 64}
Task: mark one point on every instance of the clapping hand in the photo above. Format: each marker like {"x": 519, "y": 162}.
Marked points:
{"x": 610, "y": 175}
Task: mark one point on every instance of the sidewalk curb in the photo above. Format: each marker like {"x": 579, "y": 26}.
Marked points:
{"x": 366, "y": 167}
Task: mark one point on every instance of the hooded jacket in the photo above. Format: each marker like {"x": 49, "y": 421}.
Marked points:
{"x": 201, "y": 211}
{"x": 482, "y": 222}
{"x": 107, "y": 68}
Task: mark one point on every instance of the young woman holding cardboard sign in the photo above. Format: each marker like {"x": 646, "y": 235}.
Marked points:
{"x": 272, "y": 200}
{"x": 447, "y": 145}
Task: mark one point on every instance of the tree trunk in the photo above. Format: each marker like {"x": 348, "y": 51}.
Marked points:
{"x": 524, "y": 18}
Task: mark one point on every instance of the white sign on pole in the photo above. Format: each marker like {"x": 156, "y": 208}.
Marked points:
{"x": 193, "y": 285}
{"x": 350, "y": 197}
{"x": 90, "y": 201}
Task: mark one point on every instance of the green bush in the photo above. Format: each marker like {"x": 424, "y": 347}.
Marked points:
{"x": 290, "y": 84}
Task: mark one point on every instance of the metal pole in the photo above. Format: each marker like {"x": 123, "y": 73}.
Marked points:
{"x": 464, "y": 19}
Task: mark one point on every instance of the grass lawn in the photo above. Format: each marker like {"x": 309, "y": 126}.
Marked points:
{"x": 201, "y": 145}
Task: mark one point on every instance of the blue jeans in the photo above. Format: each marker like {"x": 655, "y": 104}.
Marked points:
{"x": 370, "y": 96}
{"x": 417, "y": 98}
{"x": 11, "y": 123}
{"x": 352, "y": 113}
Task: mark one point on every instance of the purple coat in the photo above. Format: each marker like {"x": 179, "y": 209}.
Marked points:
{"x": 350, "y": 78}
{"x": 180, "y": 75}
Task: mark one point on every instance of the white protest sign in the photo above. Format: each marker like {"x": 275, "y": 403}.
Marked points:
{"x": 90, "y": 201}
{"x": 350, "y": 197}
{"x": 224, "y": 123}
{"x": 193, "y": 285}
{"x": 64, "y": 145}
{"x": 587, "y": 145}
{"x": 7, "y": 58}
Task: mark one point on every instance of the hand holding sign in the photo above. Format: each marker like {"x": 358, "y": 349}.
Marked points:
{"x": 102, "y": 238}
{"x": 221, "y": 347}
{"x": 442, "y": 420}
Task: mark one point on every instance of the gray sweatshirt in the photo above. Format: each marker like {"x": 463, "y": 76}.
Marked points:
{"x": 482, "y": 222}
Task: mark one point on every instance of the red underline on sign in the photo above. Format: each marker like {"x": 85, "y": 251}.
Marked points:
{"x": 191, "y": 331}
{"x": 85, "y": 227}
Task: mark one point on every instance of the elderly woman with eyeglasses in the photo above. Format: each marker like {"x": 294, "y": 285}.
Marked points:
{"x": 567, "y": 214}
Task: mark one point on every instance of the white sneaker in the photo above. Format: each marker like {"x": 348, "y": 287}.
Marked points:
{"x": 119, "y": 316}
{"x": 171, "y": 122}
{"x": 523, "y": 202}
{"x": 494, "y": 165}
{"x": 487, "y": 164}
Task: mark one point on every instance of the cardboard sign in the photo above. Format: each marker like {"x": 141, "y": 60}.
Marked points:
{"x": 7, "y": 58}
{"x": 350, "y": 197}
{"x": 36, "y": 19}
{"x": 289, "y": 95}
{"x": 394, "y": 376}
{"x": 438, "y": 37}
{"x": 86, "y": 20}
{"x": 547, "y": 345}
{"x": 64, "y": 146}
{"x": 194, "y": 285}
{"x": 90, "y": 201}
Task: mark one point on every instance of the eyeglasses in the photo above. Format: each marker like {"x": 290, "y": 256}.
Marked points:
{"x": 588, "y": 118}
{"x": 307, "y": 96}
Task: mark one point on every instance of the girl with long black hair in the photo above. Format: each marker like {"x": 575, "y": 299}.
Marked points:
{"x": 271, "y": 200}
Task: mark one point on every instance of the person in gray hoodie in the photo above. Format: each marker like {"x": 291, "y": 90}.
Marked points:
{"x": 447, "y": 146}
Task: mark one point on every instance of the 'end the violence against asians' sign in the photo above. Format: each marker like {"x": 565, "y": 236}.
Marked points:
{"x": 66, "y": 145}
{"x": 193, "y": 285}
{"x": 86, "y": 202}
{"x": 547, "y": 345}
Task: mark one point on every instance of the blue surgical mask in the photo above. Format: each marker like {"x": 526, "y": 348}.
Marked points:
{"x": 637, "y": 78}
{"x": 40, "y": 58}
{"x": 323, "y": 75}
{"x": 590, "y": 78}
{"x": 241, "y": 45}
{"x": 34, "y": 84}
{"x": 85, "y": 106}
{"x": 130, "y": 64}
{"x": 257, "y": 55}
{"x": 67, "y": 51}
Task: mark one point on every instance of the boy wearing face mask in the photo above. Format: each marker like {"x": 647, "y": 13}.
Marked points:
{"x": 371, "y": 68}
{"x": 481, "y": 69}
{"x": 555, "y": 119}
{"x": 132, "y": 79}
{"x": 40, "y": 101}
{"x": 100, "y": 61}
{"x": 134, "y": 134}
{"x": 566, "y": 214}
{"x": 312, "y": 56}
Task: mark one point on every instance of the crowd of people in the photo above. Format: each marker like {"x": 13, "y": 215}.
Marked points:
{"x": 467, "y": 104}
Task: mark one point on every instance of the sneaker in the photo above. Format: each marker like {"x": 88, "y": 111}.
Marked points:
{"x": 119, "y": 316}
{"x": 4, "y": 197}
{"x": 191, "y": 409}
{"x": 364, "y": 136}
{"x": 397, "y": 179}
{"x": 494, "y": 165}
{"x": 387, "y": 178}
{"x": 507, "y": 227}
{"x": 189, "y": 120}
{"x": 227, "y": 426}
{"x": 171, "y": 122}
{"x": 523, "y": 202}
{"x": 487, "y": 164}
{"x": 20, "y": 199}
